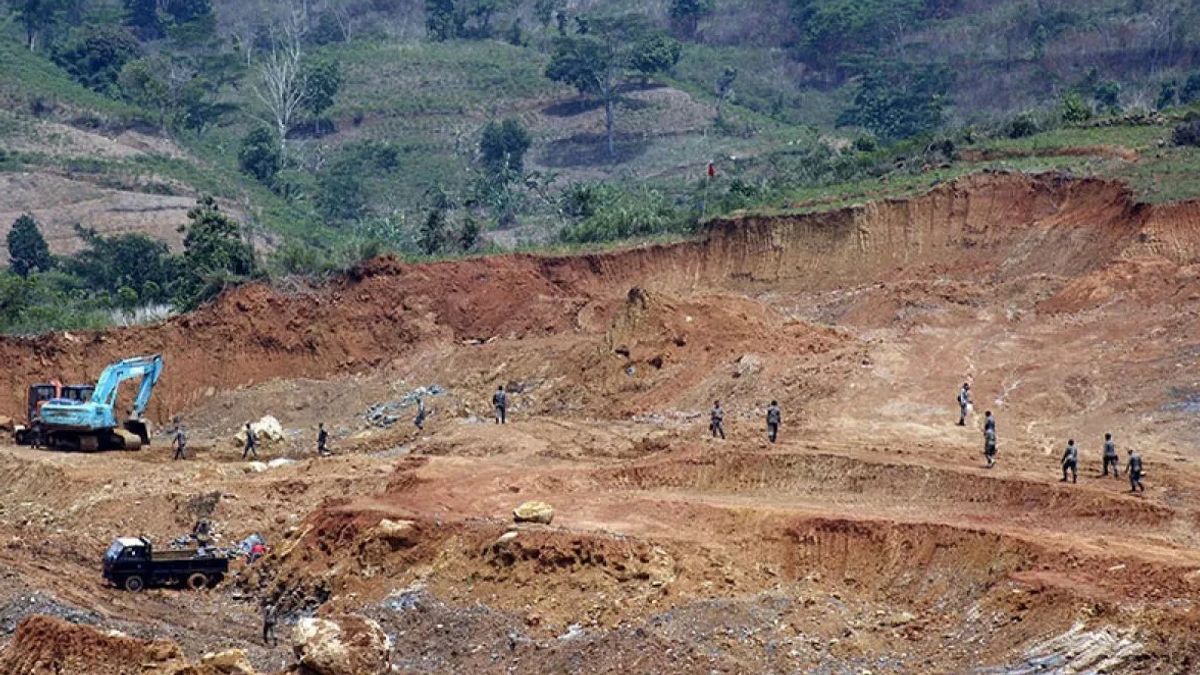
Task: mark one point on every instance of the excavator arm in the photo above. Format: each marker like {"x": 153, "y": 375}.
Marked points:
{"x": 146, "y": 367}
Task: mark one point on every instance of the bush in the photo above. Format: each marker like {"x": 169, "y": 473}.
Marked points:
{"x": 1187, "y": 134}
{"x": 615, "y": 214}
{"x": 97, "y": 54}
{"x": 1074, "y": 109}
{"x": 1021, "y": 126}
{"x": 260, "y": 155}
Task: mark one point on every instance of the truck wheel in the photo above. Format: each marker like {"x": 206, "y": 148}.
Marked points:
{"x": 134, "y": 583}
{"x": 197, "y": 580}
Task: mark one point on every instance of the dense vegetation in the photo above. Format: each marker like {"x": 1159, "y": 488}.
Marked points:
{"x": 337, "y": 129}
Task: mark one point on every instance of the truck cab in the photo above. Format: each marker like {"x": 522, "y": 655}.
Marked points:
{"x": 41, "y": 394}
{"x": 133, "y": 564}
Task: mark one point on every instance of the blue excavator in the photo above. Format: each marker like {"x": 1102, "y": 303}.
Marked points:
{"x": 91, "y": 424}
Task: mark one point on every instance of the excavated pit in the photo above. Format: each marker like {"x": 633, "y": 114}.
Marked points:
{"x": 868, "y": 538}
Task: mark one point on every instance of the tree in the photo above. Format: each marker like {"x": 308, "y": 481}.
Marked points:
{"x": 443, "y": 21}
{"x": 97, "y": 54}
{"x": 597, "y": 61}
{"x": 142, "y": 82}
{"x": 142, "y": 16}
{"x": 27, "y": 249}
{"x": 1191, "y": 90}
{"x": 124, "y": 260}
{"x": 322, "y": 80}
{"x": 899, "y": 102}
{"x": 1168, "y": 95}
{"x": 432, "y": 236}
{"x": 655, "y": 54}
{"x": 468, "y": 237}
{"x": 37, "y": 16}
{"x": 1074, "y": 109}
{"x": 725, "y": 90}
{"x": 281, "y": 86}
{"x": 503, "y": 146}
{"x": 259, "y": 155}
{"x": 545, "y": 10}
{"x": 686, "y": 15}
{"x": 214, "y": 255}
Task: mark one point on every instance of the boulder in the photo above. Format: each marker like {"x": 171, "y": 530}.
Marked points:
{"x": 534, "y": 512}
{"x": 229, "y": 662}
{"x": 267, "y": 430}
{"x": 6, "y": 423}
{"x": 401, "y": 532}
{"x": 341, "y": 645}
{"x": 255, "y": 467}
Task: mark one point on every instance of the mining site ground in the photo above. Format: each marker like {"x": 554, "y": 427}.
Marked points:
{"x": 870, "y": 538}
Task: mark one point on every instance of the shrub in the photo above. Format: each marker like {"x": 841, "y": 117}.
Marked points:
{"x": 1021, "y": 126}
{"x": 1187, "y": 134}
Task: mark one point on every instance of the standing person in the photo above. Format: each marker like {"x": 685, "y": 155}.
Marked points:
{"x": 1134, "y": 468}
{"x": 322, "y": 440}
{"x": 989, "y": 422}
{"x": 1070, "y": 461}
{"x": 420, "y": 419}
{"x": 500, "y": 403}
{"x": 179, "y": 442}
{"x": 251, "y": 443}
{"x": 269, "y": 618}
{"x": 1111, "y": 458}
{"x": 989, "y": 446}
{"x": 964, "y": 403}
{"x": 774, "y": 416}
{"x": 716, "y": 423}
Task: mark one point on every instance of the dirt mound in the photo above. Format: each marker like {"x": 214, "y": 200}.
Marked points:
{"x": 994, "y": 226}
{"x": 661, "y": 350}
{"x": 44, "y": 645}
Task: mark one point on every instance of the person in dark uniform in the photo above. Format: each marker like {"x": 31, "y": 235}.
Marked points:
{"x": 251, "y": 443}
{"x": 1111, "y": 458}
{"x": 964, "y": 403}
{"x": 419, "y": 421}
{"x": 1070, "y": 462}
{"x": 179, "y": 442}
{"x": 500, "y": 403}
{"x": 774, "y": 416}
{"x": 1134, "y": 468}
{"x": 716, "y": 423}
{"x": 322, "y": 440}
{"x": 269, "y": 619}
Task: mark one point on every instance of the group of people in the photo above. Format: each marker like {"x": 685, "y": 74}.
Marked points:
{"x": 1070, "y": 456}
{"x": 716, "y": 421}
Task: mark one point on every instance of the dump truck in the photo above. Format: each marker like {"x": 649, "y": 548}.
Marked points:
{"x": 133, "y": 564}
{"x": 30, "y": 432}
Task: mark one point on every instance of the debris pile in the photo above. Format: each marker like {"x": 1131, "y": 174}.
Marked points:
{"x": 384, "y": 415}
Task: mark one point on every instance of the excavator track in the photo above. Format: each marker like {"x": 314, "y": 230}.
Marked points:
{"x": 126, "y": 440}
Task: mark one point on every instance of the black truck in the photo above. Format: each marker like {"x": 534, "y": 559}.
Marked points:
{"x": 132, "y": 563}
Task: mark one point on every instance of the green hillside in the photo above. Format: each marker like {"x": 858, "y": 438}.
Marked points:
{"x": 452, "y": 127}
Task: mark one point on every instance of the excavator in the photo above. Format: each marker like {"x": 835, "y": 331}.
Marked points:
{"x": 91, "y": 424}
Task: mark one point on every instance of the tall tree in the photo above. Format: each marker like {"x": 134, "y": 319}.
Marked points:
{"x": 27, "y": 249}
{"x": 686, "y": 15}
{"x": 96, "y": 55}
{"x": 597, "y": 62}
{"x": 37, "y": 16}
{"x": 503, "y": 146}
{"x": 214, "y": 254}
{"x": 432, "y": 236}
{"x": 281, "y": 85}
{"x": 322, "y": 80}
